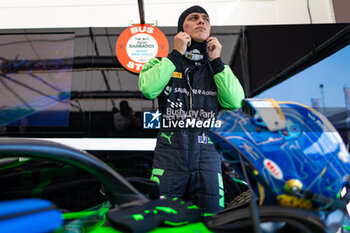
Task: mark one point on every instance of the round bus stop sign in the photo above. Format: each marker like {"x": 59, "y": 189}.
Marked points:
{"x": 139, "y": 43}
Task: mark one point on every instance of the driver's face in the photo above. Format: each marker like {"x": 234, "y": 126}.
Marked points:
{"x": 197, "y": 25}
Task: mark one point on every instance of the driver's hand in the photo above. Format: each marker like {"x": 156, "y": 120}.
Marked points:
{"x": 181, "y": 41}
{"x": 214, "y": 48}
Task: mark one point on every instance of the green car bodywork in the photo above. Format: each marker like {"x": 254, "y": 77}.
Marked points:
{"x": 94, "y": 220}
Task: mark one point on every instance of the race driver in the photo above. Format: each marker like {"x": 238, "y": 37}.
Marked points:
{"x": 192, "y": 84}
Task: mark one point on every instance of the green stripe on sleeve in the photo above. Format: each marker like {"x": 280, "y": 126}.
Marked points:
{"x": 154, "y": 76}
{"x": 230, "y": 91}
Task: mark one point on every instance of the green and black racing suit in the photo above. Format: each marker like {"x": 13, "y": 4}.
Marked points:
{"x": 190, "y": 94}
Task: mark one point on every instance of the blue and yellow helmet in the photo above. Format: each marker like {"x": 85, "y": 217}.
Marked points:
{"x": 293, "y": 152}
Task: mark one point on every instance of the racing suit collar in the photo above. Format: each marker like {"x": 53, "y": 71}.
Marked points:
{"x": 197, "y": 51}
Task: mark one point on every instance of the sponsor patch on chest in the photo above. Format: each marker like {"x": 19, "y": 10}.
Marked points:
{"x": 176, "y": 75}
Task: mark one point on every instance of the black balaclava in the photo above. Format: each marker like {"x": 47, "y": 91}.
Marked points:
{"x": 195, "y": 47}
{"x": 184, "y": 14}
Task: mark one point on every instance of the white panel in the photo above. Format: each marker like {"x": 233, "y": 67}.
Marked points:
{"x": 120, "y": 13}
{"x": 77, "y": 13}
{"x": 244, "y": 12}
{"x": 321, "y": 10}
{"x": 104, "y": 144}
{"x": 298, "y": 13}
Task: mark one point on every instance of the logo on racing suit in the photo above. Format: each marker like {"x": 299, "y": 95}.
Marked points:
{"x": 167, "y": 90}
{"x": 176, "y": 75}
{"x": 151, "y": 120}
{"x": 176, "y": 104}
{"x": 195, "y": 92}
{"x": 203, "y": 139}
{"x": 167, "y": 137}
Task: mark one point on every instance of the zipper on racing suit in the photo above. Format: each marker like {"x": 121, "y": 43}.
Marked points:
{"x": 189, "y": 84}
{"x": 191, "y": 96}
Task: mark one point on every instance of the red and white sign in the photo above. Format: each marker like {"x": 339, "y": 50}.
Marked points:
{"x": 273, "y": 169}
{"x": 139, "y": 43}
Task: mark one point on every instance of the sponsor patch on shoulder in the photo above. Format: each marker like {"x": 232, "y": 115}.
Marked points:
{"x": 176, "y": 75}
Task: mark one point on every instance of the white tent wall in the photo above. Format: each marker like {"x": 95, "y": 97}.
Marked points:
{"x": 123, "y": 13}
